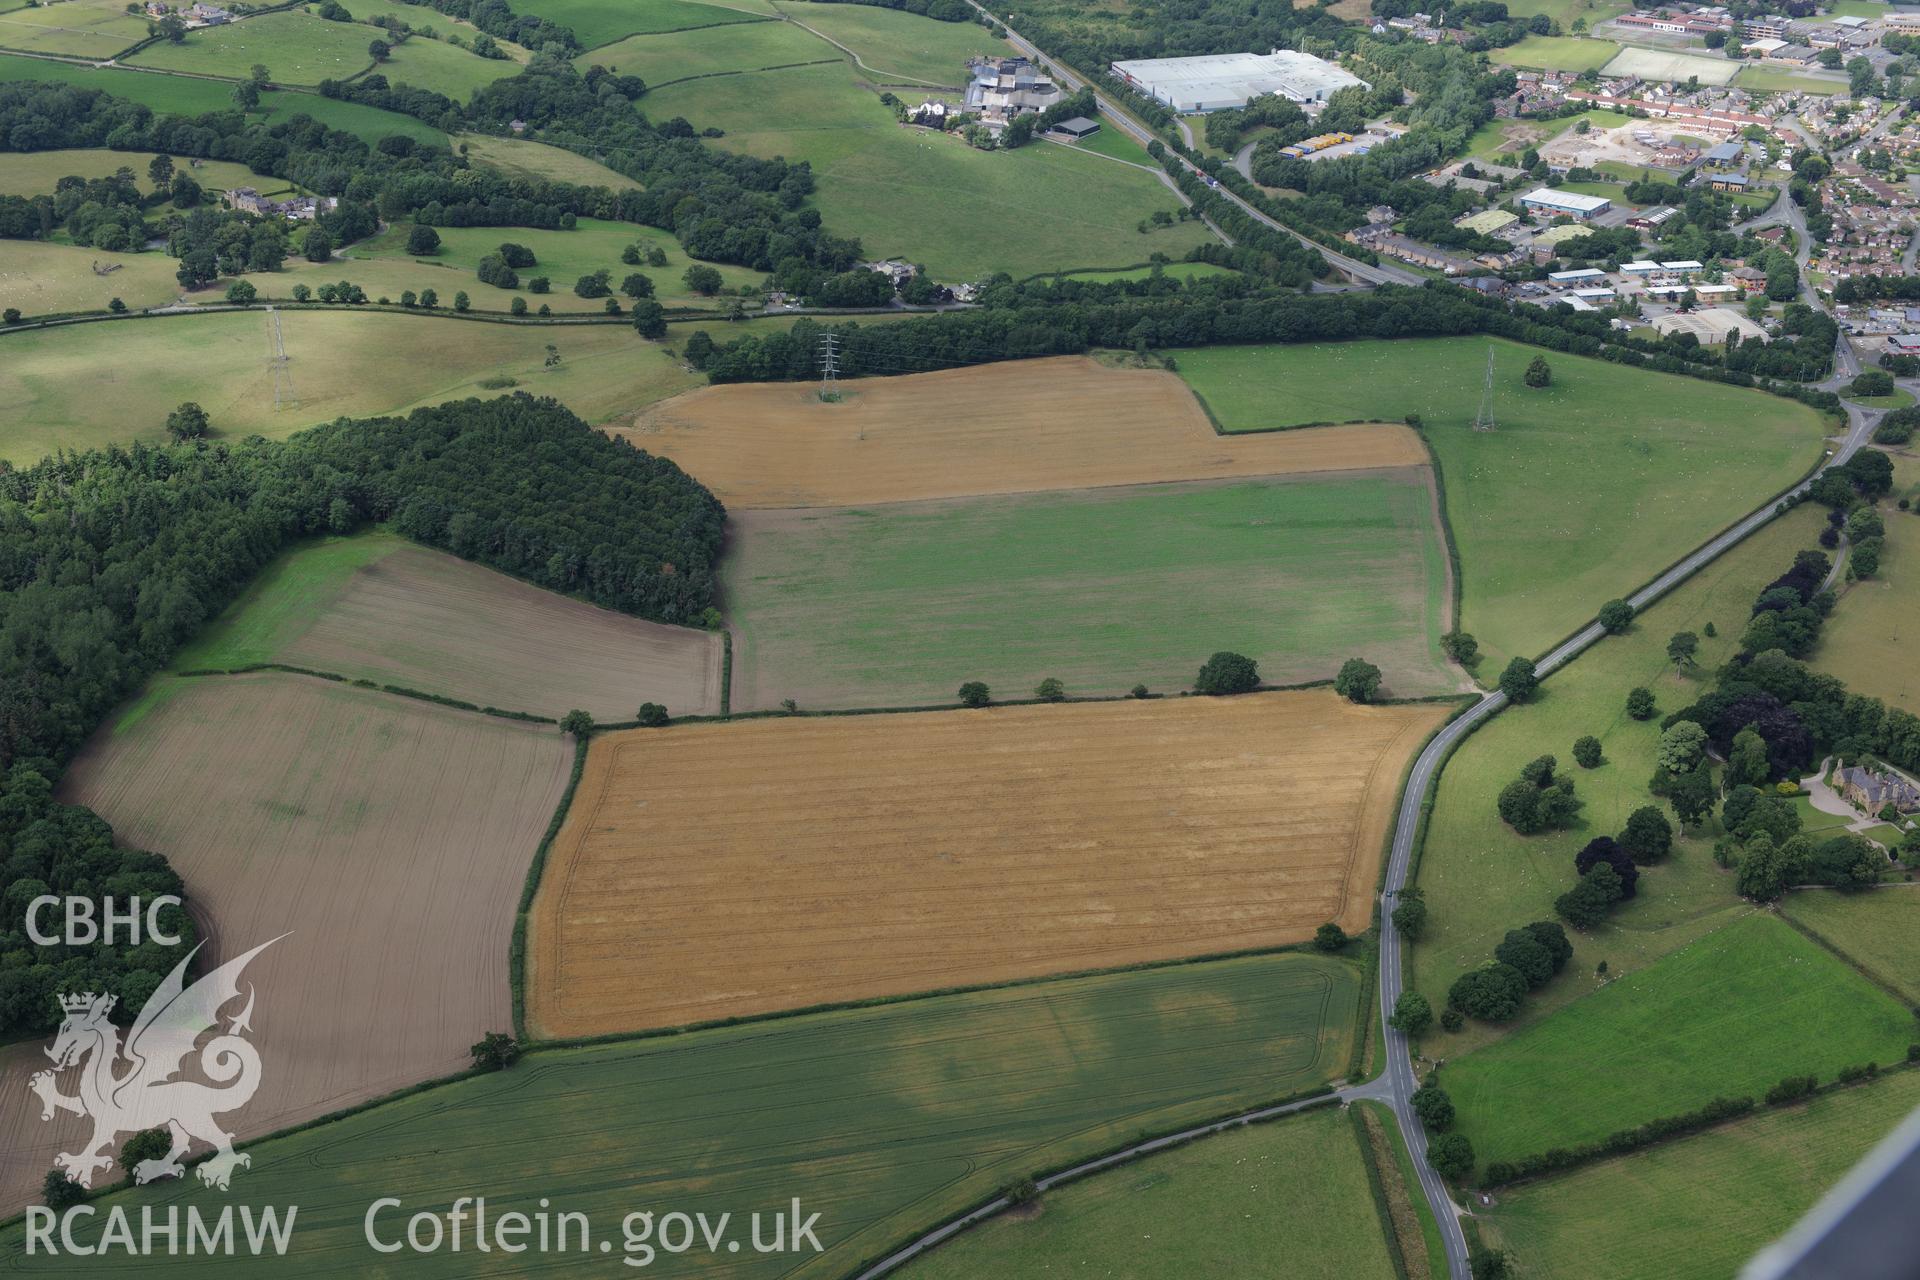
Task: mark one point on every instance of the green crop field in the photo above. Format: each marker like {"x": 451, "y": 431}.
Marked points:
{"x": 896, "y": 605}
{"x": 50, "y": 279}
{"x": 186, "y": 96}
{"x": 381, "y": 265}
{"x": 95, "y": 29}
{"x": 1696, "y": 1209}
{"x": 663, "y": 60}
{"x": 894, "y": 187}
{"x": 91, "y": 385}
{"x": 299, "y": 49}
{"x": 1875, "y": 929}
{"x": 1588, "y": 488}
{"x": 1198, "y": 1211}
{"x": 895, "y": 45}
{"x": 1481, "y": 879}
{"x": 33, "y": 173}
{"x": 524, "y": 159}
{"x": 1726, "y": 1016}
{"x": 601, "y": 22}
{"x": 884, "y": 1120}
{"x": 1557, "y": 53}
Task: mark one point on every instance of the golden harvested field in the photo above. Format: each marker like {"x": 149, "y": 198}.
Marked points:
{"x": 1020, "y": 426}
{"x": 389, "y": 835}
{"x": 722, "y": 870}
{"x": 377, "y": 607}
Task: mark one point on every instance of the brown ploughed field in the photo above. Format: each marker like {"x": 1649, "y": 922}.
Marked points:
{"x": 389, "y": 838}
{"x": 1022, "y": 426}
{"x": 720, "y": 870}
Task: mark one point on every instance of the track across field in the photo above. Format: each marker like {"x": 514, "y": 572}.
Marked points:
{"x": 1015, "y": 427}
{"x": 721, "y": 870}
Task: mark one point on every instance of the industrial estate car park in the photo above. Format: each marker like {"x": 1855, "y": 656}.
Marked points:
{"x": 909, "y": 638}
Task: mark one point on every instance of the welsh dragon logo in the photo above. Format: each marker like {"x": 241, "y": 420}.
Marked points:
{"x": 126, "y": 1089}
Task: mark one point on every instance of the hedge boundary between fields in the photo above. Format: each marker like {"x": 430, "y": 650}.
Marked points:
{"x": 908, "y": 997}
{"x": 1143, "y": 1146}
{"x": 1377, "y": 1185}
{"x": 1839, "y": 953}
{"x": 529, "y": 887}
{"x": 357, "y": 682}
{"x": 1661, "y": 1131}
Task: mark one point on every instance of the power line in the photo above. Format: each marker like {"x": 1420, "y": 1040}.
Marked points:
{"x": 1483, "y": 421}
{"x": 829, "y": 364}
{"x": 283, "y": 392}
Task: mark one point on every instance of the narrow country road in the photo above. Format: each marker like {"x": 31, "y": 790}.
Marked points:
{"x": 1426, "y": 767}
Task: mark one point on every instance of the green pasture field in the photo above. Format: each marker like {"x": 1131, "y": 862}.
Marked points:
{"x": 1173, "y": 270}
{"x": 1869, "y": 640}
{"x": 1770, "y": 80}
{"x": 1567, "y": 12}
{"x": 1869, "y": 9}
{"x": 187, "y": 96}
{"x": 1726, "y": 1016}
{"x": 896, "y": 605}
{"x": 1198, "y": 1211}
{"x": 423, "y": 18}
{"x": 1699, "y": 1208}
{"x": 1481, "y": 879}
{"x": 381, "y": 265}
{"x": 894, "y": 187}
{"x": 300, "y": 49}
{"x": 51, "y": 279}
{"x": 96, "y": 29}
{"x": 1557, "y": 53}
{"x": 1588, "y": 488}
{"x": 884, "y": 1120}
{"x": 524, "y": 159}
{"x": 895, "y": 45}
{"x": 663, "y": 60}
{"x": 601, "y": 22}
{"x": 90, "y": 385}
{"x": 1875, "y": 929}
{"x": 33, "y": 173}
{"x": 1109, "y": 141}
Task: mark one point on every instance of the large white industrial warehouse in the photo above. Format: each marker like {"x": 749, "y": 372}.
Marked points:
{"x": 1217, "y": 82}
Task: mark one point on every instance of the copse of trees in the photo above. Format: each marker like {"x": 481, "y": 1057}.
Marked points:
{"x": 118, "y": 557}
{"x": 1539, "y": 799}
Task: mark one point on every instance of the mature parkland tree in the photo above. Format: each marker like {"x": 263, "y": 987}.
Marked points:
{"x": 1227, "y": 672}
{"x": 1682, "y": 648}
{"x": 1412, "y": 1013}
{"x": 1587, "y": 752}
{"x": 1640, "y": 704}
{"x": 1433, "y": 1106}
{"x": 187, "y": 422}
{"x": 1616, "y": 616}
{"x": 1539, "y": 374}
{"x": 974, "y": 693}
{"x": 1519, "y": 681}
{"x": 1358, "y": 681}
{"x": 1648, "y": 836}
